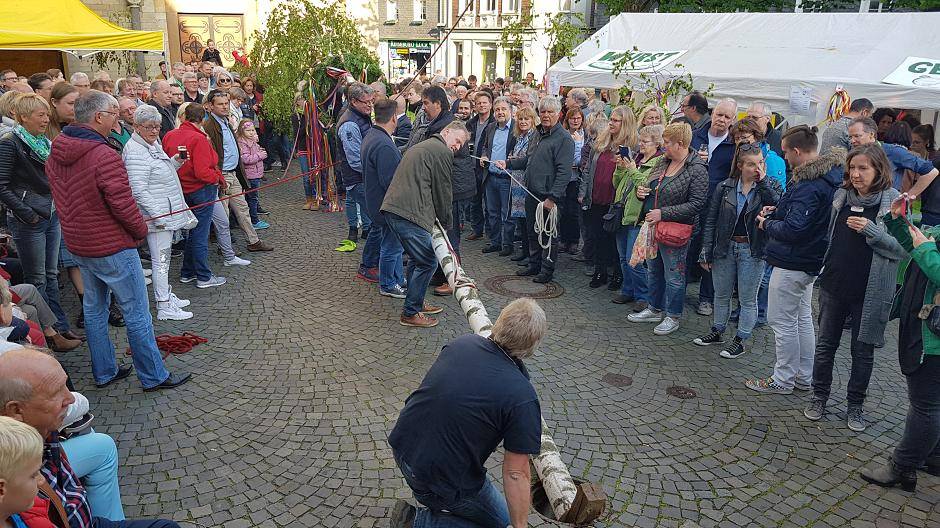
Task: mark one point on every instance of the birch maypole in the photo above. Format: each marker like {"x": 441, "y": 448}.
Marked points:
{"x": 560, "y": 488}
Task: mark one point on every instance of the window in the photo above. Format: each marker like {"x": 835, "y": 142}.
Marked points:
{"x": 391, "y": 10}
{"x": 510, "y": 6}
{"x": 564, "y": 6}
{"x": 487, "y": 6}
{"x": 458, "y": 52}
{"x": 421, "y": 10}
{"x": 441, "y": 13}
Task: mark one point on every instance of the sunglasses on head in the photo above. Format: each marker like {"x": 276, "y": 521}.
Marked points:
{"x": 749, "y": 147}
{"x": 225, "y": 81}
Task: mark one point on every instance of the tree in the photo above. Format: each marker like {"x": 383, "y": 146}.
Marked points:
{"x": 562, "y": 31}
{"x": 298, "y": 43}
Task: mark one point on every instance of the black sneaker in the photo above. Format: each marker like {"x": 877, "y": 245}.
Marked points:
{"x": 712, "y": 338}
{"x": 734, "y": 349}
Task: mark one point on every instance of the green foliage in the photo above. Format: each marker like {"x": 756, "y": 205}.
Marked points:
{"x": 123, "y": 62}
{"x": 564, "y": 30}
{"x": 299, "y": 42}
{"x": 659, "y": 87}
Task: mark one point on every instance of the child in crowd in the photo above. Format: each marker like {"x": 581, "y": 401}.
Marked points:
{"x": 20, "y": 461}
{"x": 253, "y": 157}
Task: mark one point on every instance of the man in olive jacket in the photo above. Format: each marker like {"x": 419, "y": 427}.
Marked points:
{"x": 420, "y": 192}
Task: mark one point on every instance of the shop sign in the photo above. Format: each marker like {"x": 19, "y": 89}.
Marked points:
{"x": 916, "y": 71}
{"x": 403, "y": 47}
{"x": 634, "y": 61}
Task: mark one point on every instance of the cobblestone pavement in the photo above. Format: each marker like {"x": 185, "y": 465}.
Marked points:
{"x": 306, "y": 369}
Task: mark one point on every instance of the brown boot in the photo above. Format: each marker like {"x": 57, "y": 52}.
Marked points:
{"x": 444, "y": 290}
{"x": 431, "y": 309}
{"x": 419, "y": 320}
{"x": 60, "y": 343}
{"x": 260, "y": 245}
{"x": 308, "y": 205}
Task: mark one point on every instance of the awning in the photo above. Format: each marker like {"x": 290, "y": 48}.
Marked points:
{"x": 784, "y": 58}
{"x": 67, "y": 25}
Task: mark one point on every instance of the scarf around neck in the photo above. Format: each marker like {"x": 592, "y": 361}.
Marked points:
{"x": 854, "y": 199}
{"x": 39, "y": 144}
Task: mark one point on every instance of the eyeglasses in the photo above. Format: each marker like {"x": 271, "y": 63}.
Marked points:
{"x": 366, "y": 101}
{"x": 150, "y": 127}
{"x": 9, "y": 78}
{"x": 224, "y": 81}
{"x": 107, "y": 112}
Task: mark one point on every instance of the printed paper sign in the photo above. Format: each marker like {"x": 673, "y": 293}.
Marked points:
{"x": 916, "y": 71}
{"x": 801, "y": 99}
{"x": 554, "y": 83}
{"x": 635, "y": 61}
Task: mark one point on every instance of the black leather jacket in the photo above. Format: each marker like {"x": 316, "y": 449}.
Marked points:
{"x": 22, "y": 173}
{"x": 722, "y": 215}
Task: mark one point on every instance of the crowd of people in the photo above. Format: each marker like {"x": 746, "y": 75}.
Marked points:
{"x": 98, "y": 178}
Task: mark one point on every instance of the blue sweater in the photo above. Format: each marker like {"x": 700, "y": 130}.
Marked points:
{"x": 798, "y": 230}
{"x": 380, "y": 158}
{"x": 719, "y": 164}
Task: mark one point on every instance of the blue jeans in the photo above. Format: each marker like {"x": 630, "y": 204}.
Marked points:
{"x": 737, "y": 268}
{"x": 390, "y": 258}
{"x": 666, "y": 278}
{"x": 310, "y": 190}
{"x": 371, "y": 249}
{"x": 94, "y": 458}
{"x": 120, "y": 273}
{"x": 634, "y": 279}
{"x": 38, "y": 247}
{"x": 417, "y": 243}
{"x": 356, "y": 207}
{"x": 485, "y": 509}
{"x": 762, "y": 294}
{"x": 498, "y": 226}
{"x": 254, "y": 201}
{"x": 475, "y": 213}
{"x": 453, "y": 234}
{"x": 196, "y": 251}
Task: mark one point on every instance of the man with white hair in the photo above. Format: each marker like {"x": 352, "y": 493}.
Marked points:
{"x": 577, "y": 98}
{"x": 547, "y": 172}
{"x": 352, "y": 126}
{"x": 476, "y": 396}
{"x": 102, "y": 227}
{"x": 716, "y": 146}
{"x": 126, "y": 109}
{"x": 80, "y": 80}
{"x": 179, "y": 69}
{"x": 760, "y": 111}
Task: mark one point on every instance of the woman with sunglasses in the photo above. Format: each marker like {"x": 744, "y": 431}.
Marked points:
{"x": 733, "y": 247}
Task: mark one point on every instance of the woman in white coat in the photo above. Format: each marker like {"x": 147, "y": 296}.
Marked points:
{"x": 156, "y": 188}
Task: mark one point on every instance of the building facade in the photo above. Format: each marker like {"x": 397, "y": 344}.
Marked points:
{"x": 474, "y": 47}
{"x": 409, "y": 30}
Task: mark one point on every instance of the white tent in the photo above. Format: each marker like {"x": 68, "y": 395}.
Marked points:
{"x": 782, "y": 58}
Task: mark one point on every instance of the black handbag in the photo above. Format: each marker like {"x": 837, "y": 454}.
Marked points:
{"x": 614, "y": 217}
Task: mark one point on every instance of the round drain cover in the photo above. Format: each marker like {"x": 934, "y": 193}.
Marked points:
{"x": 515, "y": 287}
{"x": 683, "y": 393}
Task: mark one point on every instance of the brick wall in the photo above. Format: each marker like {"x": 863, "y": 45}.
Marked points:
{"x": 405, "y": 28}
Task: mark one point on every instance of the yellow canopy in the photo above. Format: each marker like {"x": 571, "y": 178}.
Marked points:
{"x": 67, "y": 25}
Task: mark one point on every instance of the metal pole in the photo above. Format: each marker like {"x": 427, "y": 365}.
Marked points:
{"x": 134, "y": 6}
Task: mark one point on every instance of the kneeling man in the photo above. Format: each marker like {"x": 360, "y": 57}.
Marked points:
{"x": 476, "y": 395}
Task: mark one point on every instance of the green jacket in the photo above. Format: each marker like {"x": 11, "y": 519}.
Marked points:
{"x": 927, "y": 257}
{"x": 421, "y": 187}
{"x": 638, "y": 176}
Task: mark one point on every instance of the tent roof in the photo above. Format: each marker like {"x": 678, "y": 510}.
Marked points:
{"x": 761, "y": 55}
{"x": 67, "y": 25}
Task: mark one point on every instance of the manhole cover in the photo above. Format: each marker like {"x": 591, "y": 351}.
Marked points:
{"x": 515, "y": 286}
{"x": 683, "y": 393}
{"x": 617, "y": 380}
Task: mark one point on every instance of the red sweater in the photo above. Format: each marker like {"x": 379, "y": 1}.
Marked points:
{"x": 202, "y": 164}
{"x": 97, "y": 211}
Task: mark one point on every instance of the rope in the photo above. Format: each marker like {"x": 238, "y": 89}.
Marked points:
{"x": 172, "y": 344}
{"x": 545, "y": 223}
{"x": 460, "y": 281}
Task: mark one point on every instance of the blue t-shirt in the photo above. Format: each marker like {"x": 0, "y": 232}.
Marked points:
{"x": 902, "y": 159}
{"x": 472, "y": 398}
{"x": 17, "y": 521}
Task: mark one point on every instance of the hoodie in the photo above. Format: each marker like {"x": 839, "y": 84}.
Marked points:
{"x": 798, "y": 230}
{"x": 97, "y": 211}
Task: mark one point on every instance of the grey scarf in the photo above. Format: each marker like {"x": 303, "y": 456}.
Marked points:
{"x": 853, "y": 199}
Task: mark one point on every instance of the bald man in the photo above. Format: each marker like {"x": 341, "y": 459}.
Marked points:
{"x": 33, "y": 390}
{"x": 161, "y": 97}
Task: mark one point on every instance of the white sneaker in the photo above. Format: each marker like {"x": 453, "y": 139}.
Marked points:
{"x": 236, "y": 261}
{"x": 148, "y": 281}
{"x": 668, "y": 326}
{"x": 148, "y": 272}
{"x": 169, "y": 311}
{"x": 182, "y": 303}
{"x": 648, "y": 315}
{"x": 213, "y": 281}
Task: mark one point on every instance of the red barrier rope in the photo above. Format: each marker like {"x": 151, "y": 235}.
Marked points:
{"x": 171, "y": 344}
{"x": 266, "y": 186}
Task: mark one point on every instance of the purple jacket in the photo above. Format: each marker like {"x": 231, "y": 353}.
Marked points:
{"x": 253, "y": 157}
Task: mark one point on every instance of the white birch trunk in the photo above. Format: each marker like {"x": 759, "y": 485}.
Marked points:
{"x": 552, "y": 471}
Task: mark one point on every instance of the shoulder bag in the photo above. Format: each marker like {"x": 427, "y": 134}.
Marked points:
{"x": 614, "y": 217}
{"x": 670, "y": 234}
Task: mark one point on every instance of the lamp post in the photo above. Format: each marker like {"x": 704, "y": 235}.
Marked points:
{"x": 134, "y": 6}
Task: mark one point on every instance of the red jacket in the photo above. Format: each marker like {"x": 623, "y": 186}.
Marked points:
{"x": 91, "y": 193}
{"x": 202, "y": 164}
